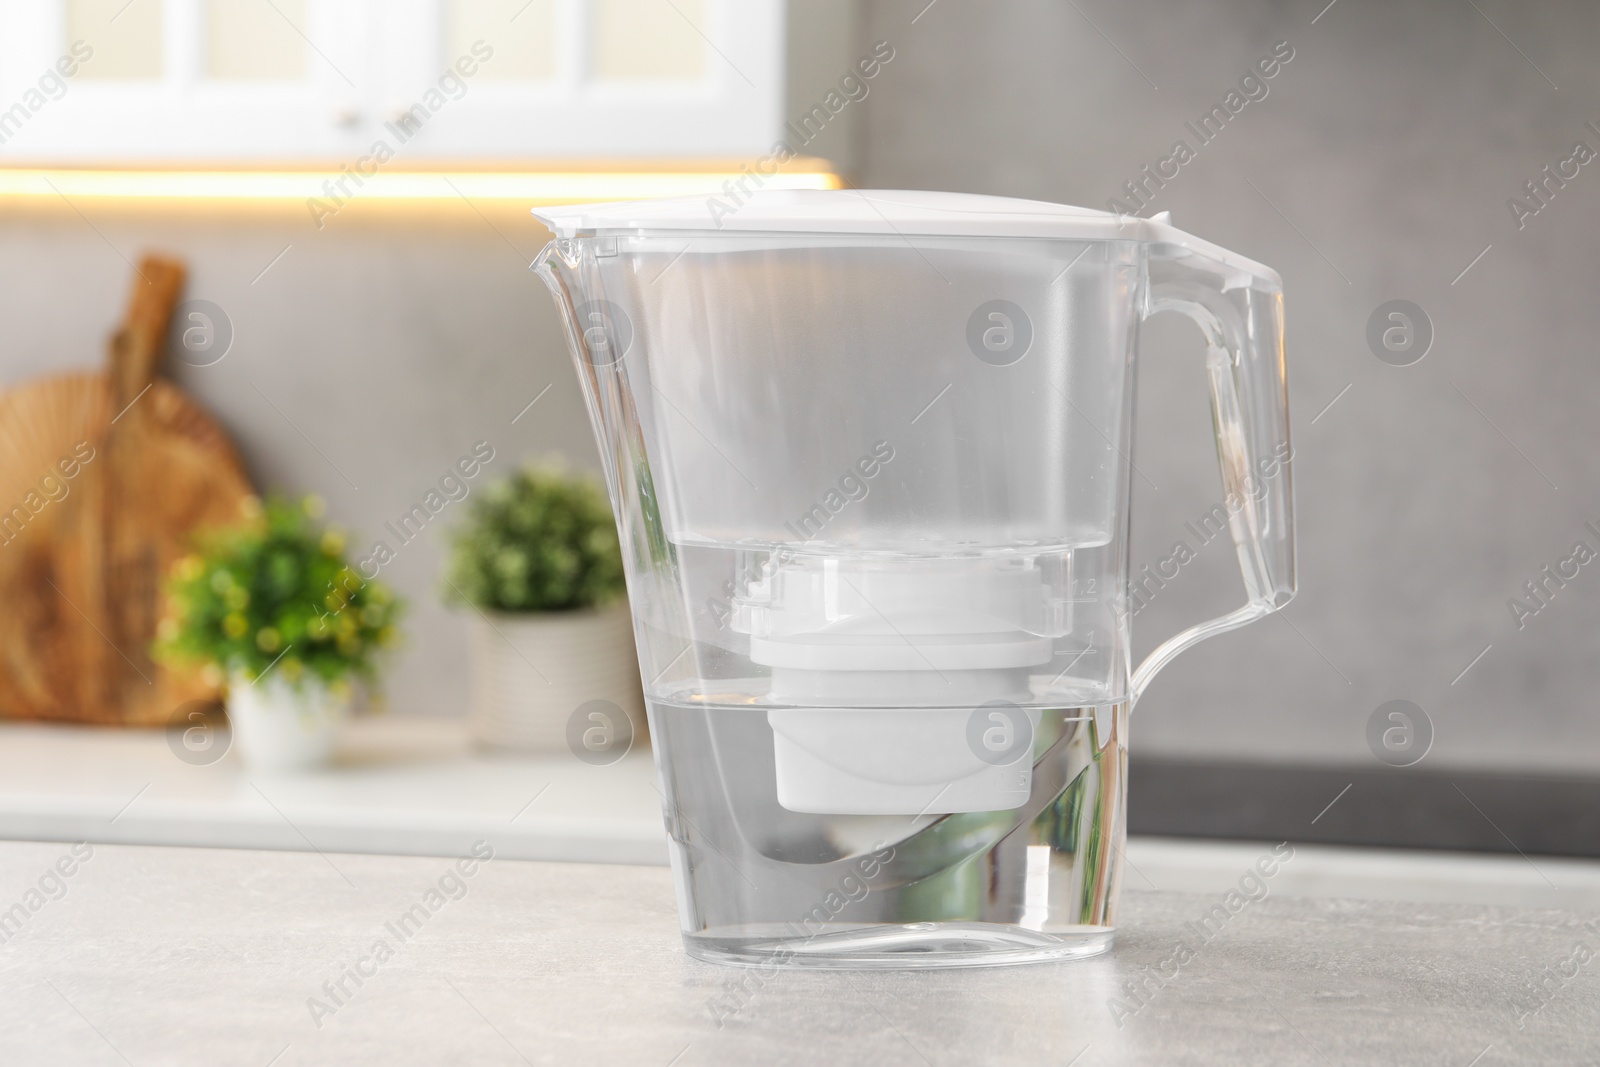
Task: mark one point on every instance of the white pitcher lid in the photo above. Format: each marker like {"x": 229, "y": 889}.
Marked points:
{"x": 876, "y": 211}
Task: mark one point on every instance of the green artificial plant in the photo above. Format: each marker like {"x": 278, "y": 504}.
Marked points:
{"x": 541, "y": 540}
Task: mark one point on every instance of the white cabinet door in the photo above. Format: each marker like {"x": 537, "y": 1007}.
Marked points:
{"x": 185, "y": 79}
{"x": 650, "y": 78}
{"x": 327, "y": 80}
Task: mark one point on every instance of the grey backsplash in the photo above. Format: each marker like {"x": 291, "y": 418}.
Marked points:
{"x": 1387, "y": 147}
{"x": 1377, "y": 167}
{"x": 365, "y": 361}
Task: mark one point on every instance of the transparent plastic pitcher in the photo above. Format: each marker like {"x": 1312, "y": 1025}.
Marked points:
{"x": 869, "y": 454}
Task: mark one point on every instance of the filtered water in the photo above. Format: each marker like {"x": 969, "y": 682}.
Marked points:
{"x": 757, "y": 882}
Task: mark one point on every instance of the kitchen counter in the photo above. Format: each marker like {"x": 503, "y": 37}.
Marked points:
{"x": 397, "y": 785}
{"x": 193, "y": 956}
{"x": 415, "y": 786}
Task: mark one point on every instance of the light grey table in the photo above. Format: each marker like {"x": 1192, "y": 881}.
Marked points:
{"x": 148, "y": 956}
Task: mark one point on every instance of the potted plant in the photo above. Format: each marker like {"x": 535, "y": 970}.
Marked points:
{"x": 271, "y": 608}
{"x": 539, "y": 561}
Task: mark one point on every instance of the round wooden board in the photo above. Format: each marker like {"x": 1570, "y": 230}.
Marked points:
{"x": 98, "y": 503}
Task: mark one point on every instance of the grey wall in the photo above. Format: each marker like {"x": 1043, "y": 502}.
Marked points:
{"x": 1388, "y": 145}
{"x": 393, "y": 340}
{"x": 367, "y": 359}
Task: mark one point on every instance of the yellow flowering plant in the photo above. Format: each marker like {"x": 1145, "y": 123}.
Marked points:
{"x": 274, "y": 593}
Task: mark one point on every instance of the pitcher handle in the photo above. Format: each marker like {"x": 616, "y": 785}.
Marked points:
{"x": 1238, "y": 306}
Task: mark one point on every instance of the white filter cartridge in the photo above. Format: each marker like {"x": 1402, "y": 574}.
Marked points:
{"x": 873, "y": 761}
{"x": 901, "y": 682}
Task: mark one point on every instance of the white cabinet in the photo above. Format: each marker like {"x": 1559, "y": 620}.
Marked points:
{"x": 220, "y": 81}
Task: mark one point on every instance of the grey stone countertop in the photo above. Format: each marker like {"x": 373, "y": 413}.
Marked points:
{"x": 147, "y": 955}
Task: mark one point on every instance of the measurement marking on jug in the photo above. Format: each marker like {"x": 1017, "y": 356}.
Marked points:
{"x": 932, "y": 402}
{"x": 1080, "y": 654}
{"x": 1331, "y": 803}
{"x": 1474, "y": 662}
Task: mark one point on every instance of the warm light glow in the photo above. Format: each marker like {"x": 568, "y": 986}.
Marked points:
{"x": 527, "y": 187}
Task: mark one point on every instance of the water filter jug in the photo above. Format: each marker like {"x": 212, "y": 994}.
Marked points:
{"x": 870, "y": 458}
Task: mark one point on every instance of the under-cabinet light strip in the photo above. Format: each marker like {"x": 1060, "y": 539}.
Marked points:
{"x": 532, "y": 187}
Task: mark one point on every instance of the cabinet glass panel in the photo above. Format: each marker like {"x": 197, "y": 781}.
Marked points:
{"x": 521, "y": 32}
{"x": 649, "y": 40}
{"x": 255, "y": 40}
{"x": 125, "y": 35}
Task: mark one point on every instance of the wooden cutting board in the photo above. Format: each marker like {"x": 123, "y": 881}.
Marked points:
{"x": 104, "y": 479}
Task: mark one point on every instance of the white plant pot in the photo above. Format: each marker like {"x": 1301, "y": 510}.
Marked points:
{"x": 280, "y": 727}
{"x": 532, "y": 671}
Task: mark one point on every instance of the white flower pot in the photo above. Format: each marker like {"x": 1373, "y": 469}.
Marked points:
{"x": 532, "y": 671}
{"x": 281, "y": 727}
